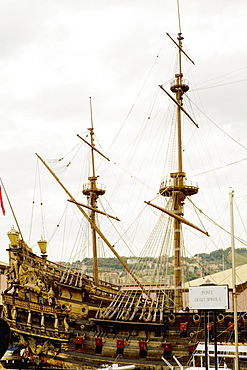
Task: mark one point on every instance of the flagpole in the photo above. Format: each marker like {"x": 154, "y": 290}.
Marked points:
{"x": 12, "y": 210}
{"x": 1, "y": 202}
{"x": 234, "y": 292}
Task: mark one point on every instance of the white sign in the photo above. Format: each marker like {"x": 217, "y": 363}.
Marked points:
{"x": 208, "y": 297}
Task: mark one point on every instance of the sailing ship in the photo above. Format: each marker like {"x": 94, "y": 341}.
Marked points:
{"x": 65, "y": 318}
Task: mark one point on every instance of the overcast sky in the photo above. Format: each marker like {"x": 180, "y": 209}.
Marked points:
{"x": 55, "y": 54}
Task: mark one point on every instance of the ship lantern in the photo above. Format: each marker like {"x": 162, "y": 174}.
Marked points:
{"x": 42, "y": 246}
{"x": 13, "y": 236}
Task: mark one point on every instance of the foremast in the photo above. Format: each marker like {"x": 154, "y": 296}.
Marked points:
{"x": 176, "y": 187}
{"x": 92, "y": 191}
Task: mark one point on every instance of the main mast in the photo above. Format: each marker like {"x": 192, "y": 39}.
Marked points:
{"x": 176, "y": 187}
{"x": 93, "y": 191}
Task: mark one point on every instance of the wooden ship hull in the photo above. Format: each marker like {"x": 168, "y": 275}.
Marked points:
{"x": 65, "y": 321}
{"x": 70, "y": 320}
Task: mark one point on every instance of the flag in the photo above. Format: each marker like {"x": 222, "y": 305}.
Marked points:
{"x": 1, "y": 202}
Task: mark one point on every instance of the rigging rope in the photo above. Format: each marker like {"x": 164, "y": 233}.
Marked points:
{"x": 33, "y": 202}
{"x": 219, "y": 168}
{"x": 237, "y": 142}
{"x": 216, "y": 224}
{"x": 138, "y": 95}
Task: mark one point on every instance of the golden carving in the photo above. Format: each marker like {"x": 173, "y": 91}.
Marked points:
{"x": 66, "y": 325}
{"x": 13, "y": 273}
{"x": 13, "y": 314}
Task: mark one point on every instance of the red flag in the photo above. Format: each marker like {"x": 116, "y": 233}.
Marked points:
{"x": 1, "y": 202}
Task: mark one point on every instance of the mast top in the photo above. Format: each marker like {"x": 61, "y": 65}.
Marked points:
{"x": 179, "y": 19}
{"x": 92, "y": 187}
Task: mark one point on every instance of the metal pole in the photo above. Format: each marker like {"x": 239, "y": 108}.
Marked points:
{"x": 215, "y": 343}
{"x": 206, "y": 339}
{"x": 234, "y": 293}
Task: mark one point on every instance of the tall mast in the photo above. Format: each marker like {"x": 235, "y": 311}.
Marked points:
{"x": 176, "y": 187}
{"x": 92, "y": 191}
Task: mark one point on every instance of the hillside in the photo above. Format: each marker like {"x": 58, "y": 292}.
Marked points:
{"x": 199, "y": 265}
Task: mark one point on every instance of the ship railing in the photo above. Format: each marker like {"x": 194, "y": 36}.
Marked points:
{"x": 8, "y": 299}
{"x": 184, "y": 83}
{"x": 17, "y": 302}
{"x": 57, "y": 270}
{"x": 170, "y": 183}
{"x": 224, "y": 350}
{"x": 48, "y": 266}
{"x": 87, "y": 186}
{"x": 35, "y": 330}
{"x": 74, "y": 277}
